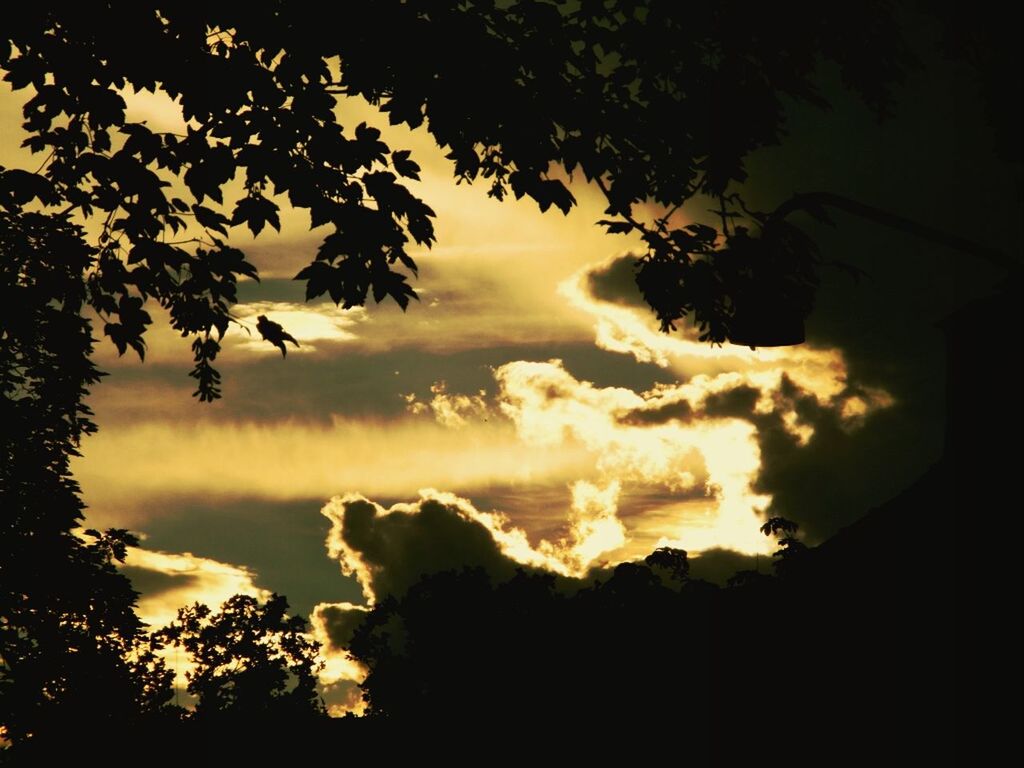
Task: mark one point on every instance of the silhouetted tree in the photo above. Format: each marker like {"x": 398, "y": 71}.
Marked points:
{"x": 791, "y": 551}
{"x": 652, "y": 102}
{"x": 80, "y": 664}
{"x": 836, "y": 649}
{"x": 251, "y": 661}
{"x": 459, "y": 648}
{"x": 73, "y": 655}
{"x": 672, "y": 560}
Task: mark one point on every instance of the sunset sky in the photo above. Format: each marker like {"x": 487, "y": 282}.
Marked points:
{"x": 527, "y": 410}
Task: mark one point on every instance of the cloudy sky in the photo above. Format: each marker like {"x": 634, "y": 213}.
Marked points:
{"x": 527, "y": 411}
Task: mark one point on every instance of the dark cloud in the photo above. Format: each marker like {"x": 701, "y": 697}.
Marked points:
{"x": 843, "y": 470}
{"x": 400, "y": 547}
{"x": 282, "y": 542}
{"x": 680, "y": 410}
{"x": 615, "y": 282}
{"x": 734, "y": 403}
{"x": 339, "y": 622}
{"x": 347, "y": 382}
{"x": 839, "y": 474}
{"x": 153, "y": 583}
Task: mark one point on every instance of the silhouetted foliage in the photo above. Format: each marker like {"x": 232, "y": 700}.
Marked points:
{"x": 672, "y": 560}
{"x": 823, "y": 650}
{"x": 73, "y": 655}
{"x": 791, "y": 550}
{"x": 252, "y": 661}
{"x": 653, "y": 102}
{"x": 460, "y": 648}
{"x": 74, "y": 658}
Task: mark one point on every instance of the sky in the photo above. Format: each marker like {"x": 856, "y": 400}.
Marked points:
{"x": 527, "y": 411}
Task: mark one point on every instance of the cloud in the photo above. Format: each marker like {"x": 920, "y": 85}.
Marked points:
{"x": 550, "y": 407}
{"x": 388, "y": 549}
{"x": 308, "y": 323}
{"x": 168, "y": 581}
{"x": 631, "y": 329}
{"x": 844, "y": 468}
{"x": 594, "y": 527}
{"x": 332, "y": 625}
{"x": 614, "y": 281}
{"x": 453, "y": 411}
{"x": 737, "y": 435}
{"x": 289, "y": 460}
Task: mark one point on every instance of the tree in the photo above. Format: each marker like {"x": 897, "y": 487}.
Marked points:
{"x": 464, "y": 652}
{"x": 252, "y": 661}
{"x": 672, "y": 560}
{"x": 576, "y": 88}
{"x": 73, "y": 654}
{"x": 80, "y": 664}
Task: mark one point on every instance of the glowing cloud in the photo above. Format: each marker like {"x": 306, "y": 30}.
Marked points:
{"x": 594, "y": 527}
{"x": 289, "y": 460}
{"x": 550, "y": 407}
{"x": 449, "y": 410}
{"x": 308, "y": 323}
{"x": 632, "y": 330}
{"x": 387, "y": 550}
{"x": 187, "y": 579}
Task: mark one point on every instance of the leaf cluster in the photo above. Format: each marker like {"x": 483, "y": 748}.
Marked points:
{"x": 250, "y": 659}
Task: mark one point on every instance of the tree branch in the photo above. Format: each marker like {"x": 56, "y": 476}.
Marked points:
{"x": 808, "y": 201}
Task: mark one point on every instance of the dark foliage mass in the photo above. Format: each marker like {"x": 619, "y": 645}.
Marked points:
{"x": 649, "y": 102}
{"x": 843, "y": 654}
{"x": 655, "y": 103}
{"x": 71, "y": 648}
{"x": 252, "y": 661}
{"x": 647, "y": 655}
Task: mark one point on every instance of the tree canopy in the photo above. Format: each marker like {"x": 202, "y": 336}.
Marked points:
{"x": 252, "y": 661}
{"x": 650, "y": 102}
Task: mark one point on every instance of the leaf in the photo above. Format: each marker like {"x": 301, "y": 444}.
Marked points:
{"x": 209, "y": 171}
{"x": 560, "y": 195}
{"x": 256, "y": 211}
{"x": 404, "y": 166}
{"x": 274, "y": 333}
{"x": 22, "y": 187}
{"x": 320, "y": 277}
{"x": 210, "y": 219}
{"x": 616, "y": 227}
{"x": 406, "y": 260}
{"x": 399, "y": 290}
